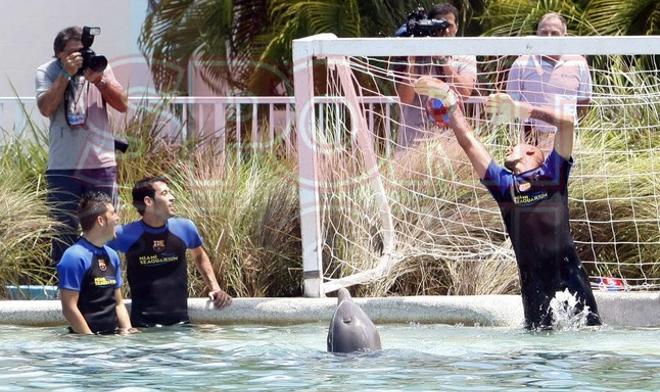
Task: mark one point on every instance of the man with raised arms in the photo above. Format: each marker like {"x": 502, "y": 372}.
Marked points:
{"x": 532, "y": 193}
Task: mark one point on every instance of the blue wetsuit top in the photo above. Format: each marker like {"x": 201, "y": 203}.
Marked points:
{"x": 534, "y": 207}
{"x": 157, "y": 270}
{"x": 94, "y": 272}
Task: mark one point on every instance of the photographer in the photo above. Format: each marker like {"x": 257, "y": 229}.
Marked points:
{"x": 73, "y": 91}
{"x": 460, "y": 72}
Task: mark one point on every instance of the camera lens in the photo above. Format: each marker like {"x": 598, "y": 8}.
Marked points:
{"x": 98, "y": 63}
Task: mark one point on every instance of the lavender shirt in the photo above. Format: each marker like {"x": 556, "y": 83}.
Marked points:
{"x": 542, "y": 82}
{"x": 90, "y": 146}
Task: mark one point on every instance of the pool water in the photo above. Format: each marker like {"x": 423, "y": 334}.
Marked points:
{"x": 251, "y": 358}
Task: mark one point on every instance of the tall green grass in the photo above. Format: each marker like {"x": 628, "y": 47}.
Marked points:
{"x": 25, "y": 227}
{"x": 249, "y": 216}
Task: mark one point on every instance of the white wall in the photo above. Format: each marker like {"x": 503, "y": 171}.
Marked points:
{"x": 28, "y": 28}
{"x": 27, "y": 31}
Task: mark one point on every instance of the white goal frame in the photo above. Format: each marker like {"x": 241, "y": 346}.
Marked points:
{"x": 325, "y": 46}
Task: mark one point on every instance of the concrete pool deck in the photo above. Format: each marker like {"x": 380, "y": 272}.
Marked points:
{"x": 622, "y": 309}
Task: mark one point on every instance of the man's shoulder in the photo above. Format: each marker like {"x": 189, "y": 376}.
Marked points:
{"x": 523, "y": 60}
{"x": 575, "y": 60}
{"x": 50, "y": 67}
{"x": 126, "y": 235}
{"x": 130, "y": 227}
{"x": 111, "y": 252}
{"x": 182, "y": 223}
{"x": 74, "y": 254}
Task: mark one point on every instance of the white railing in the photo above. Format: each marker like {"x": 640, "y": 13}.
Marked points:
{"x": 211, "y": 116}
{"x": 223, "y": 118}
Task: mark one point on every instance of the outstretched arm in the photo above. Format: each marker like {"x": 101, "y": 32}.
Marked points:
{"x": 474, "y": 149}
{"x": 503, "y": 108}
{"x": 565, "y": 123}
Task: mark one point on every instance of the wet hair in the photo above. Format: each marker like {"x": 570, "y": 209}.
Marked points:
{"x": 91, "y": 206}
{"x": 443, "y": 9}
{"x": 551, "y": 15}
{"x": 72, "y": 33}
{"x": 145, "y": 188}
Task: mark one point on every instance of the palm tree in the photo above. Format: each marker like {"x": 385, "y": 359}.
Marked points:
{"x": 624, "y": 17}
{"x": 520, "y": 17}
{"x": 220, "y": 34}
{"x": 584, "y": 17}
{"x": 246, "y": 44}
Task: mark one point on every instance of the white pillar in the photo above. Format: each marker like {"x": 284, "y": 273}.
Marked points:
{"x": 310, "y": 214}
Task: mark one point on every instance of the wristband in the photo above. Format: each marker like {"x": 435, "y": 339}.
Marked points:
{"x": 66, "y": 74}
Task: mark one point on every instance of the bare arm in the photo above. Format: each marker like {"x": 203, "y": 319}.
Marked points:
{"x": 49, "y": 101}
{"x": 502, "y": 107}
{"x": 474, "y": 149}
{"x": 463, "y": 83}
{"x": 113, "y": 93}
{"x": 203, "y": 264}
{"x": 123, "y": 319}
{"x": 404, "y": 88}
{"x": 565, "y": 123}
{"x": 69, "y": 300}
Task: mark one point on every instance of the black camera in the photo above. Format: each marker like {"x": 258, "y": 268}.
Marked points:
{"x": 90, "y": 59}
{"x": 121, "y": 144}
{"x": 418, "y": 24}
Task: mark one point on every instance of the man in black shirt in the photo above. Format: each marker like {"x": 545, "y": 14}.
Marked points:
{"x": 533, "y": 199}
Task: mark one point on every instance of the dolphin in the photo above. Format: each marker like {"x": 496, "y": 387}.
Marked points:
{"x": 350, "y": 328}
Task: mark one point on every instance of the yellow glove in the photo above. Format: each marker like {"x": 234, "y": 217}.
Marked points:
{"x": 435, "y": 88}
{"x": 503, "y": 109}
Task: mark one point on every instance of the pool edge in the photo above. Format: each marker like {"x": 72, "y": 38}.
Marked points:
{"x": 616, "y": 309}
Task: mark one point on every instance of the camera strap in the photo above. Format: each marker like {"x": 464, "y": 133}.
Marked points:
{"x": 75, "y": 101}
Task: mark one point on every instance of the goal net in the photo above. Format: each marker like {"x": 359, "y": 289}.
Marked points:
{"x": 389, "y": 200}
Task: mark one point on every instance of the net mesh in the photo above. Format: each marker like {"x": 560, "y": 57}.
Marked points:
{"x": 392, "y": 204}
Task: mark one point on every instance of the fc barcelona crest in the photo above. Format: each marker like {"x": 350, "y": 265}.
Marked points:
{"x": 103, "y": 265}
{"x": 159, "y": 246}
{"x": 524, "y": 187}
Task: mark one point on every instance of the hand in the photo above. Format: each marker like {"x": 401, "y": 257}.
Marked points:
{"x": 426, "y": 85}
{"x": 502, "y": 109}
{"x": 72, "y": 63}
{"x": 441, "y": 60}
{"x": 220, "y": 298}
{"x": 93, "y": 77}
{"x": 128, "y": 331}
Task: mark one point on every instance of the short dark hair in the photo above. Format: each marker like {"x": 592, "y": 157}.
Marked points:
{"x": 443, "y": 9}
{"x": 145, "y": 188}
{"x": 71, "y": 33}
{"x": 91, "y": 206}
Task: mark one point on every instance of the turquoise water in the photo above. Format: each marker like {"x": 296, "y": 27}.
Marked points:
{"x": 252, "y": 358}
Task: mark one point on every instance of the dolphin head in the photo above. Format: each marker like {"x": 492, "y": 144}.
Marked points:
{"x": 350, "y": 328}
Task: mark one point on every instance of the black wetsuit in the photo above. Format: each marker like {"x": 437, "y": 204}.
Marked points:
{"x": 534, "y": 206}
{"x": 156, "y": 269}
{"x": 95, "y": 274}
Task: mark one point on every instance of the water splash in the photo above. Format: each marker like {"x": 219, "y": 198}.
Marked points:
{"x": 568, "y": 313}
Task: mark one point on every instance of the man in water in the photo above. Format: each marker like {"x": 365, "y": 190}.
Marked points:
{"x": 156, "y": 265}
{"x": 532, "y": 194}
{"x": 90, "y": 275}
